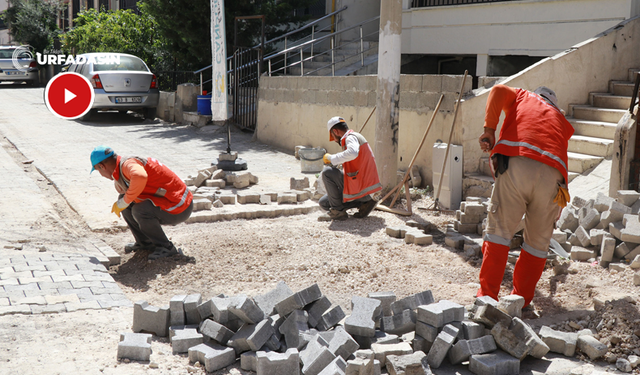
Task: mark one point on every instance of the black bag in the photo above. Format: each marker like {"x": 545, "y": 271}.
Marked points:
{"x": 501, "y": 163}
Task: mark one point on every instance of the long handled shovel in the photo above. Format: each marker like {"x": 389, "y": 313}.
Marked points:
{"x": 407, "y": 173}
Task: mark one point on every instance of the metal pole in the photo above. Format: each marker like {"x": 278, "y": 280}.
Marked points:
{"x": 361, "y": 48}
{"x": 313, "y": 29}
{"x": 333, "y": 59}
{"x": 301, "y": 63}
{"x": 285, "y": 56}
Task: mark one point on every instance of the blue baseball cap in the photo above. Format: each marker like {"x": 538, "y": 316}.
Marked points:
{"x": 99, "y": 154}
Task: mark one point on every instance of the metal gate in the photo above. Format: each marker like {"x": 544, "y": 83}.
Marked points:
{"x": 245, "y": 73}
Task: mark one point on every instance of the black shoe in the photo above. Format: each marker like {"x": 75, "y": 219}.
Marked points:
{"x": 162, "y": 252}
{"x": 134, "y": 246}
{"x": 365, "y": 209}
{"x": 530, "y": 312}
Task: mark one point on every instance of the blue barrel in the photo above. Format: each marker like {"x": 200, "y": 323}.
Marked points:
{"x": 204, "y": 105}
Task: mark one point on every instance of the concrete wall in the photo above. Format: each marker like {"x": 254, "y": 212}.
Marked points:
{"x": 573, "y": 74}
{"x": 356, "y": 12}
{"x": 294, "y": 111}
{"x": 530, "y": 28}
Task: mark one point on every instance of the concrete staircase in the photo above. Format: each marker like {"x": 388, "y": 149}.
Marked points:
{"x": 595, "y": 125}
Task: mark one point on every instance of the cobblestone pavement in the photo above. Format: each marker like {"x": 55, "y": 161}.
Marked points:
{"x": 38, "y": 283}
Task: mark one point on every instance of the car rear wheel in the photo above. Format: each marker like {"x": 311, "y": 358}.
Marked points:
{"x": 149, "y": 113}
{"x": 88, "y": 115}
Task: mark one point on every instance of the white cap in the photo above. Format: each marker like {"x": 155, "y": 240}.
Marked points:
{"x": 331, "y": 123}
{"x": 548, "y": 94}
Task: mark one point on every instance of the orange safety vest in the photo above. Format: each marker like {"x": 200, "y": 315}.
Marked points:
{"x": 537, "y": 130}
{"x": 164, "y": 188}
{"x": 361, "y": 173}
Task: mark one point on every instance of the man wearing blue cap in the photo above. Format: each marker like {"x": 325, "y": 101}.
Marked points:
{"x": 150, "y": 195}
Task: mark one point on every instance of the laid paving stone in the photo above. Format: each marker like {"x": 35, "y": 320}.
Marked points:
{"x": 212, "y": 356}
{"x": 272, "y": 363}
{"x": 496, "y": 363}
{"x": 149, "y": 318}
{"x": 48, "y": 309}
{"x": 91, "y": 305}
{"x": 135, "y": 346}
{"x": 19, "y": 309}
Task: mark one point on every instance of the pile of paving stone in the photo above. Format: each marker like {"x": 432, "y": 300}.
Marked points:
{"x": 215, "y": 188}
{"x": 282, "y": 332}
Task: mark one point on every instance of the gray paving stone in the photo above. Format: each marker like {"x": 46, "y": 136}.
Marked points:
{"x": 381, "y": 351}
{"x": 361, "y": 321}
{"x": 48, "y": 309}
{"x": 414, "y": 363}
{"x": 363, "y": 366}
{"x": 191, "y": 303}
{"x": 115, "y": 303}
{"x": 38, "y": 300}
{"x": 4, "y": 301}
{"x": 213, "y": 357}
{"x": 57, "y": 279}
{"x": 512, "y": 305}
{"x": 267, "y": 302}
{"x": 26, "y": 267}
{"x": 496, "y": 363}
{"x": 220, "y": 310}
{"x": 463, "y": 349}
{"x": 290, "y": 328}
{"x": 86, "y": 284}
{"x": 472, "y": 330}
{"x": 272, "y": 363}
{"x": 244, "y": 308}
{"x": 330, "y": 318}
{"x": 559, "y": 342}
{"x": 30, "y": 286}
{"x": 582, "y": 254}
{"x": 215, "y": 331}
{"x": 386, "y": 299}
{"x": 518, "y": 339}
{"x": 90, "y": 305}
{"x": 185, "y": 338}
{"x": 412, "y": 302}
{"x": 316, "y": 356}
{"x": 150, "y": 318}
{"x": 48, "y": 273}
{"x": 249, "y": 361}
{"x": 441, "y": 313}
{"x": 10, "y": 281}
{"x": 340, "y": 342}
{"x": 316, "y": 309}
{"x": 15, "y": 275}
{"x": 400, "y": 324}
{"x": 590, "y": 346}
{"x": 97, "y": 276}
{"x": 79, "y": 292}
{"x": 298, "y": 300}
{"x": 18, "y": 309}
{"x": 135, "y": 346}
{"x": 439, "y": 349}
{"x": 336, "y": 367}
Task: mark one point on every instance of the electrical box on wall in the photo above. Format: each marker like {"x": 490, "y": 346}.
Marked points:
{"x": 451, "y": 189}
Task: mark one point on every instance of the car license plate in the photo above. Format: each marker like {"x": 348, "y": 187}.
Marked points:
{"x": 128, "y": 99}
{"x": 16, "y": 73}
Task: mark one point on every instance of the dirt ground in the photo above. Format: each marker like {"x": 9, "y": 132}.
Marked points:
{"x": 349, "y": 258}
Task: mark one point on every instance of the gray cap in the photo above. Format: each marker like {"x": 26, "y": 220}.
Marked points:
{"x": 548, "y": 94}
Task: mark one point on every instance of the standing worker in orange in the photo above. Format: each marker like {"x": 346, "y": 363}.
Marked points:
{"x": 350, "y": 188}
{"x": 531, "y": 169}
{"x": 151, "y": 195}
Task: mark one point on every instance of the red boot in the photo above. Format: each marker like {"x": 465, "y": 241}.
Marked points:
{"x": 526, "y": 274}
{"x": 494, "y": 261}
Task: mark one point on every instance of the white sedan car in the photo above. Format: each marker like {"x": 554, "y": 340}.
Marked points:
{"x": 18, "y": 65}
{"x": 120, "y": 81}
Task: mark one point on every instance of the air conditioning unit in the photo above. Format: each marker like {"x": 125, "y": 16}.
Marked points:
{"x": 451, "y": 189}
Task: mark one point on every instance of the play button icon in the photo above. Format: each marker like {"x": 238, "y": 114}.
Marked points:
{"x": 69, "y": 95}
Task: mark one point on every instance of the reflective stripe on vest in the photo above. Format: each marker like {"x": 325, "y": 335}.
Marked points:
{"x": 536, "y": 149}
{"x": 182, "y": 200}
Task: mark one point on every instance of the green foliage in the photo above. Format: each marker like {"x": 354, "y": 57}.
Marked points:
{"x": 33, "y": 22}
{"x": 114, "y": 31}
{"x": 187, "y": 29}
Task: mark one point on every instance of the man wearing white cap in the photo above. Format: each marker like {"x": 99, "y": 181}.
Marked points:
{"x": 351, "y": 187}
{"x": 531, "y": 170}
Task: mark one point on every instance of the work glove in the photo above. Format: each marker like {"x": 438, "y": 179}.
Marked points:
{"x": 325, "y": 159}
{"x": 119, "y": 206}
{"x": 563, "y": 197}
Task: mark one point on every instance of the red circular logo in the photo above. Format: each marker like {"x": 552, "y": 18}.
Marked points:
{"x": 69, "y": 95}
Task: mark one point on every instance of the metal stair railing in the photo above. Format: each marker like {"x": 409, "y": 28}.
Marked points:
{"x": 298, "y": 51}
